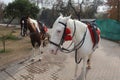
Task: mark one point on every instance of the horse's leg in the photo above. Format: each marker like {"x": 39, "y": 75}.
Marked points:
{"x": 75, "y": 75}
{"x": 33, "y": 50}
{"x": 89, "y": 61}
{"x": 84, "y": 68}
{"x": 40, "y": 53}
{"x": 41, "y": 47}
{"x": 40, "y": 50}
{"x": 33, "y": 54}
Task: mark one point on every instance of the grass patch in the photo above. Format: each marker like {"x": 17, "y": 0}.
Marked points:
{"x": 9, "y": 37}
{"x": 12, "y": 37}
{"x": 6, "y": 51}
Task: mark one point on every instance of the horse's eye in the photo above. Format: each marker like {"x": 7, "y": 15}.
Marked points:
{"x": 58, "y": 31}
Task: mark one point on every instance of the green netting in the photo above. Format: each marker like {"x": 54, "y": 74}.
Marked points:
{"x": 110, "y": 29}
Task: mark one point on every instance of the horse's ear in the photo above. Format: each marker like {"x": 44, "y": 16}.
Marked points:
{"x": 61, "y": 14}
{"x": 68, "y": 17}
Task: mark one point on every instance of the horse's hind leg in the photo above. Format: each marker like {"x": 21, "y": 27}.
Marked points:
{"x": 89, "y": 61}
{"x": 40, "y": 50}
{"x": 84, "y": 68}
{"x": 33, "y": 54}
{"x": 41, "y": 47}
{"x": 75, "y": 74}
{"x": 40, "y": 53}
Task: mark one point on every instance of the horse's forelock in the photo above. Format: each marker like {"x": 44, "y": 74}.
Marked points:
{"x": 61, "y": 19}
{"x": 57, "y": 20}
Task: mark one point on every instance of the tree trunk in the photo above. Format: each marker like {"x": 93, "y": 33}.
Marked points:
{"x": 3, "y": 42}
{"x": 10, "y": 21}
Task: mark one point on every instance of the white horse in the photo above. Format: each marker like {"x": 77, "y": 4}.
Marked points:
{"x": 81, "y": 37}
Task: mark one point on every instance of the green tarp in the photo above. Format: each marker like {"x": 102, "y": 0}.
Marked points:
{"x": 110, "y": 29}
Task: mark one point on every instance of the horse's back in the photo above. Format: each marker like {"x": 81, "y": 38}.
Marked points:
{"x": 81, "y": 28}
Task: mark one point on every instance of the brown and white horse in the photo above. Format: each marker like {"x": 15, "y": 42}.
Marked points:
{"x": 38, "y": 34}
{"x": 65, "y": 29}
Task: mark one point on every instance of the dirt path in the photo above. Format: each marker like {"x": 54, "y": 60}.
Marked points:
{"x": 105, "y": 66}
{"x": 106, "y": 62}
{"x": 16, "y": 49}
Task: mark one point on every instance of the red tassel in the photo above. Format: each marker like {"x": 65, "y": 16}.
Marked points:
{"x": 67, "y": 38}
{"x": 45, "y": 29}
{"x": 68, "y": 31}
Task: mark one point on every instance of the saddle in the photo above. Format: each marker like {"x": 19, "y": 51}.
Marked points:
{"x": 95, "y": 33}
{"x": 43, "y": 29}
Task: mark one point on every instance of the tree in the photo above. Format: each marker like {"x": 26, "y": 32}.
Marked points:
{"x": 84, "y": 8}
{"x": 7, "y": 36}
{"x": 19, "y": 8}
{"x": 114, "y": 12}
{"x": 2, "y": 6}
{"x": 70, "y": 7}
{"x": 46, "y": 17}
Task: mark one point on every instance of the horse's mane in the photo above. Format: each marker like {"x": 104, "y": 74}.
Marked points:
{"x": 75, "y": 23}
{"x": 31, "y": 21}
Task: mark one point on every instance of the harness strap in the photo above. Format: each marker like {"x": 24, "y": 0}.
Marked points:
{"x": 62, "y": 39}
{"x": 76, "y": 47}
{"x": 72, "y": 37}
{"x": 79, "y": 45}
{"x": 54, "y": 43}
{"x": 62, "y": 23}
{"x": 76, "y": 57}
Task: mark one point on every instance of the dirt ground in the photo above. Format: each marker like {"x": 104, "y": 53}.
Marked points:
{"x": 16, "y": 49}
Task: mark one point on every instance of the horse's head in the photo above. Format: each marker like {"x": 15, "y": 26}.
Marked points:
{"x": 23, "y": 24}
{"x": 57, "y": 35}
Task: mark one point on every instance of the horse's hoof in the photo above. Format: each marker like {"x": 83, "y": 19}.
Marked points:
{"x": 89, "y": 67}
{"x": 40, "y": 60}
{"x": 32, "y": 60}
{"x": 41, "y": 52}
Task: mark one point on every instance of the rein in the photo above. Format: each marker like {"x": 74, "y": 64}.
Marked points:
{"x": 62, "y": 39}
{"x": 72, "y": 36}
{"x": 66, "y": 50}
{"x": 78, "y": 46}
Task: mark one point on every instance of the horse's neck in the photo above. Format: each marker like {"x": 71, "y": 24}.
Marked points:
{"x": 31, "y": 28}
{"x": 81, "y": 29}
{"x": 34, "y": 25}
{"x": 77, "y": 28}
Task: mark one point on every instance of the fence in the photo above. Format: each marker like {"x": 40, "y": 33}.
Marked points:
{"x": 110, "y": 29}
